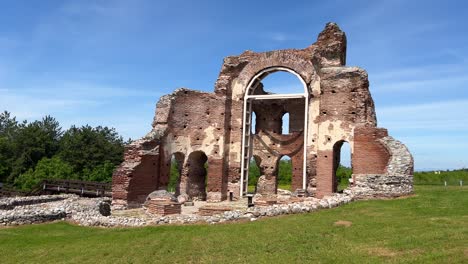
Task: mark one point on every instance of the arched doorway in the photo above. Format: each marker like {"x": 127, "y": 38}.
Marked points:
{"x": 342, "y": 166}
{"x": 175, "y": 172}
{"x": 285, "y": 173}
{"x": 255, "y": 93}
{"x": 197, "y": 175}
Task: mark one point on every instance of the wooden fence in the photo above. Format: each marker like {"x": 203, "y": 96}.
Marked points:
{"x": 82, "y": 188}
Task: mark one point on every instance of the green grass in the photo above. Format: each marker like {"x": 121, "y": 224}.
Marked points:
{"x": 451, "y": 177}
{"x": 430, "y": 227}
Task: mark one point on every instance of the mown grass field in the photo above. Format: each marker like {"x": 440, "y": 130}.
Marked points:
{"x": 430, "y": 227}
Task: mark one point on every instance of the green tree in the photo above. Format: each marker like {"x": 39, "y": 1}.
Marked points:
{"x": 33, "y": 142}
{"x": 8, "y": 131}
{"x": 86, "y": 148}
{"x": 46, "y": 168}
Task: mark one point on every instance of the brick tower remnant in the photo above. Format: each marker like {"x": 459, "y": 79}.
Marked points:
{"x": 194, "y": 128}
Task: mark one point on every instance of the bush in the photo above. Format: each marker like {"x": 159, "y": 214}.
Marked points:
{"x": 46, "y": 168}
{"x": 254, "y": 173}
{"x": 100, "y": 173}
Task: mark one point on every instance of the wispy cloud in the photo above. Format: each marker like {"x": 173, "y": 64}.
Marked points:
{"x": 438, "y": 151}
{"x": 28, "y": 106}
{"x": 423, "y": 72}
{"x": 37, "y": 101}
{"x": 435, "y": 116}
{"x": 435, "y": 132}
{"x": 281, "y": 36}
{"x": 79, "y": 89}
{"x": 445, "y": 83}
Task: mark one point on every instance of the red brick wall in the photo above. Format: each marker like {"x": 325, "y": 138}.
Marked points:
{"x": 144, "y": 179}
{"x": 325, "y": 176}
{"x": 369, "y": 155}
{"x": 215, "y": 175}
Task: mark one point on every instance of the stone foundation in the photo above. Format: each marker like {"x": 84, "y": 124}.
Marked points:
{"x": 213, "y": 210}
{"x": 368, "y": 185}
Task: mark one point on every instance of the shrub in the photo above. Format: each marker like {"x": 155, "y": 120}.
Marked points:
{"x": 46, "y": 168}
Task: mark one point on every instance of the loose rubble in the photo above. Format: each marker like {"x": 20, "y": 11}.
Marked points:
{"x": 97, "y": 211}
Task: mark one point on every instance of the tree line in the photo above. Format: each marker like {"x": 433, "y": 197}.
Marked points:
{"x": 33, "y": 151}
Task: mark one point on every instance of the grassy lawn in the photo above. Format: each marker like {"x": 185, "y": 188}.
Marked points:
{"x": 430, "y": 227}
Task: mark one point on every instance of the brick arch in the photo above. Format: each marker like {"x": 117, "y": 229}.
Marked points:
{"x": 257, "y": 78}
{"x": 287, "y": 59}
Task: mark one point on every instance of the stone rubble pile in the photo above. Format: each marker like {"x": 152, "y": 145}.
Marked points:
{"x": 9, "y": 203}
{"x": 46, "y": 208}
{"x": 96, "y": 212}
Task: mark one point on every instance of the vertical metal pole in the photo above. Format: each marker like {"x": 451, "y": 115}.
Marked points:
{"x": 306, "y": 119}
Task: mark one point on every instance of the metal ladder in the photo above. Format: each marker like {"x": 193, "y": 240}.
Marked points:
{"x": 247, "y": 146}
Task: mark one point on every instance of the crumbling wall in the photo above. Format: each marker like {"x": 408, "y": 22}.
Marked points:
{"x": 137, "y": 176}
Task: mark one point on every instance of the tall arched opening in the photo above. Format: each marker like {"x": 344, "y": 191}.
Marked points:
{"x": 197, "y": 175}
{"x": 175, "y": 172}
{"x": 272, "y": 105}
{"x": 285, "y": 173}
{"x": 342, "y": 166}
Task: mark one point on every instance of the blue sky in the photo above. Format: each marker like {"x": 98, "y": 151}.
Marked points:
{"x": 108, "y": 62}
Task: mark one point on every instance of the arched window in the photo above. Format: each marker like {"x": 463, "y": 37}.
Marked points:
{"x": 285, "y": 124}
{"x": 254, "y": 123}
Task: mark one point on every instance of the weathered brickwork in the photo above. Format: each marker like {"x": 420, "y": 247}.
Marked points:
{"x": 203, "y": 132}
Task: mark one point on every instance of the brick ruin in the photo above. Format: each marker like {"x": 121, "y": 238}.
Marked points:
{"x": 196, "y": 127}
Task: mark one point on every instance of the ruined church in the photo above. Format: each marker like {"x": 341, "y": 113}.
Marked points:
{"x": 214, "y": 136}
